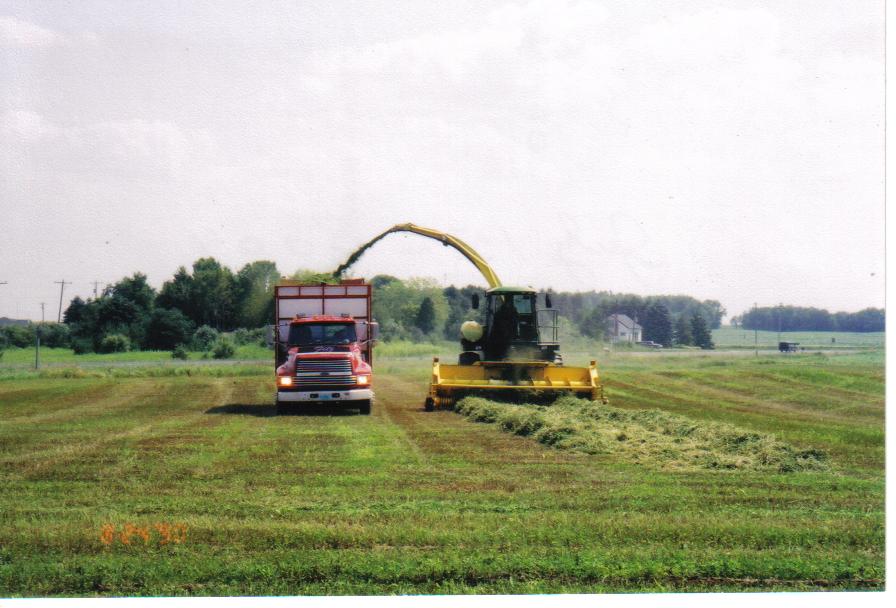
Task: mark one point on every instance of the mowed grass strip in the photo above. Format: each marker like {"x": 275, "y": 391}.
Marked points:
{"x": 649, "y": 437}
{"x": 405, "y": 501}
{"x": 835, "y": 403}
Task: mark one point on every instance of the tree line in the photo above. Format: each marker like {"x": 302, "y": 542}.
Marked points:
{"x": 796, "y": 318}
{"x": 196, "y": 307}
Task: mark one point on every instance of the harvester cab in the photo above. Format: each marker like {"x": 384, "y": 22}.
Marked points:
{"x": 515, "y": 328}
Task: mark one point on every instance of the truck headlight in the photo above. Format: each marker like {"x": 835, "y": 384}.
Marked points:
{"x": 363, "y": 379}
{"x": 284, "y": 381}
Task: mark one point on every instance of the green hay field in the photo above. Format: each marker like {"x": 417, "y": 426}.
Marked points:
{"x": 730, "y": 337}
{"x": 145, "y": 482}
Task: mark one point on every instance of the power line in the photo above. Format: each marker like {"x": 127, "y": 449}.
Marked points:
{"x": 62, "y": 285}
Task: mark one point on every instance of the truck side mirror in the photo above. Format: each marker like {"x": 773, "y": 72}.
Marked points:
{"x": 547, "y": 300}
{"x": 374, "y": 330}
{"x": 475, "y": 301}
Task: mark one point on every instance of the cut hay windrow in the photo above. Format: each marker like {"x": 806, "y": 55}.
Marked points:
{"x": 650, "y": 437}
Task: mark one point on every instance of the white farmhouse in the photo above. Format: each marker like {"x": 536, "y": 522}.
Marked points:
{"x": 621, "y": 328}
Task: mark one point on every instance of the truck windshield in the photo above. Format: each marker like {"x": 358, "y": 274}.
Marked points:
{"x": 307, "y": 334}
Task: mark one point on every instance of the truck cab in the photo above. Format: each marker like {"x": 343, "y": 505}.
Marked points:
{"x": 324, "y": 352}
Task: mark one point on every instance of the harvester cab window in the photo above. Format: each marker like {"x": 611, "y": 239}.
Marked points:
{"x": 308, "y": 334}
{"x": 523, "y": 304}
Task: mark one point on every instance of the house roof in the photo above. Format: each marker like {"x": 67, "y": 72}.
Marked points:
{"x": 623, "y": 320}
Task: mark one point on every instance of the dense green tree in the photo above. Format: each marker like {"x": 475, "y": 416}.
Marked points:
{"x": 76, "y": 311}
{"x": 700, "y": 332}
{"x": 399, "y": 301}
{"x": 134, "y": 289}
{"x": 81, "y": 318}
{"x": 683, "y": 336}
{"x": 381, "y": 280}
{"x": 178, "y": 293}
{"x": 167, "y": 328}
{"x": 214, "y": 294}
{"x": 594, "y": 323}
{"x": 255, "y": 293}
{"x": 425, "y": 320}
{"x": 657, "y": 325}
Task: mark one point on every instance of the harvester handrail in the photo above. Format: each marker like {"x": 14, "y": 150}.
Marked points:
{"x": 446, "y": 239}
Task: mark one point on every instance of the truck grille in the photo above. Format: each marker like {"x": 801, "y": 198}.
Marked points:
{"x": 329, "y": 372}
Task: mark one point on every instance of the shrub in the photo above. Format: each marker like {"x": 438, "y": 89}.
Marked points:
{"x": 115, "y": 343}
{"x": 205, "y": 337}
{"x": 81, "y": 346}
{"x": 21, "y": 336}
{"x": 243, "y": 336}
{"x": 180, "y": 352}
{"x": 223, "y": 348}
{"x": 167, "y": 328}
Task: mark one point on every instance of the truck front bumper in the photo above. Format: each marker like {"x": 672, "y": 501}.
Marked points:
{"x": 358, "y": 394}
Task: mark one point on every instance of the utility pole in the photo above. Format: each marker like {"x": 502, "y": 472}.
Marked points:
{"x": 95, "y": 286}
{"x": 62, "y": 285}
{"x": 780, "y": 306}
{"x": 37, "y": 339}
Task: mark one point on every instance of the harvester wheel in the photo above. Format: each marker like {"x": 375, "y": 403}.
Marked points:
{"x": 468, "y": 358}
{"x": 364, "y": 407}
{"x": 429, "y": 405}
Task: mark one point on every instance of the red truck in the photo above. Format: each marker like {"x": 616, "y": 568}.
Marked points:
{"x": 323, "y": 344}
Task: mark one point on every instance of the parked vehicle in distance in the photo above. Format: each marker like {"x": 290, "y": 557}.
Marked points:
{"x": 649, "y": 344}
{"x": 789, "y": 347}
{"x": 323, "y": 344}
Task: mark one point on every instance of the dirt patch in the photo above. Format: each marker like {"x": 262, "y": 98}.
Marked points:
{"x": 651, "y": 437}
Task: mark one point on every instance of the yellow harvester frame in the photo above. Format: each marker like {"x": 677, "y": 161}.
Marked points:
{"x": 536, "y": 377}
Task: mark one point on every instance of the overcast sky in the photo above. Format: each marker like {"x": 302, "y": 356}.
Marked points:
{"x": 725, "y": 150}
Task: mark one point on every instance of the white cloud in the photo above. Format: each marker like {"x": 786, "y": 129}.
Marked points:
{"x": 25, "y": 125}
{"x": 123, "y": 148}
{"x": 18, "y": 33}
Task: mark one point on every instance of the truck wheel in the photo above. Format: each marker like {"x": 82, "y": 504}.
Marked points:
{"x": 364, "y": 407}
{"x": 281, "y": 407}
{"x": 429, "y": 405}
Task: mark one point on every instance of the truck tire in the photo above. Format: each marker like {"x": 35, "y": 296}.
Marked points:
{"x": 281, "y": 407}
{"x": 364, "y": 407}
{"x": 429, "y": 405}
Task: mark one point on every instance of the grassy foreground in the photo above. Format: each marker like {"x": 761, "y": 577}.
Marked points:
{"x": 177, "y": 484}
